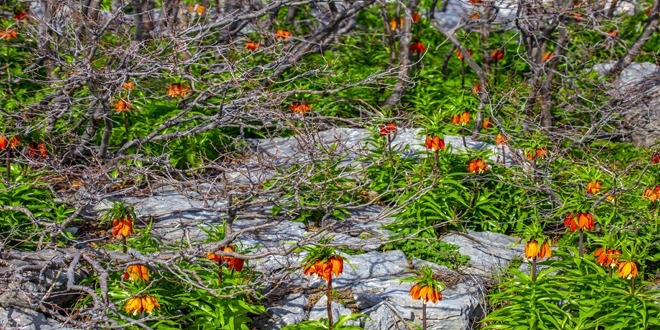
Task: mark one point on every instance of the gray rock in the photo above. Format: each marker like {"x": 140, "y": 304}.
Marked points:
{"x": 384, "y": 316}
{"x": 365, "y": 300}
{"x": 11, "y": 318}
{"x": 320, "y": 311}
{"x": 290, "y": 310}
{"x": 490, "y": 253}
{"x": 372, "y": 265}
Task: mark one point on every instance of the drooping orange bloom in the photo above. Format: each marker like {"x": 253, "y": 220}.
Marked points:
{"x": 20, "y": 16}
{"x": 593, "y": 187}
{"x": 531, "y": 250}
{"x": 613, "y": 33}
{"x": 475, "y": 1}
{"x": 459, "y": 54}
{"x": 655, "y": 158}
{"x": 570, "y": 222}
{"x": 213, "y": 257}
{"x": 251, "y": 45}
{"x": 476, "y": 88}
{"x": 541, "y": 152}
{"x": 122, "y": 227}
{"x": 548, "y": 55}
{"x": 585, "y": 221}
{"x": 199, "y": 9}
{"x": 393, "y": 24}
{"x": 417, "y": 47}
{"x": 236, "y": 264}
{"x": 129, "y": 86}
{"x": 282, "y": 34}
{"x": 389, "y": 128}
{"x": 415, "y": 17}
{"x": 477, "y": 166}
{"x": 334, "y": 265}
{"x": 8, "y": 34}
{"x": 475, "y": 16}
{"x": 3, "y": 142}
{"x": 300, "y": 107}
{"x": 141, "y": 304}
{"x": 607, "y": 257}
{"x": 14, "y": 141}
{"x": 648, "y": 12}
{"x": 434, "y": 143}
{"x": 462, "y": 119}
{"x": 487, "y": 123}
{"x": 32, "y": 149}
{"x": 122, "y": 105}
{"x": 652, "y": 194}
{"x": 627, "y": 269}
{"x": 545, "y": 251}
{"x": 497, "y": 55}
{"x": 178, "y": 90}
{"x": 425, "y": 293}
{"x": 500, "y": 139}
{"x": 232, "y": 263}
{"x": 136, "y": 272}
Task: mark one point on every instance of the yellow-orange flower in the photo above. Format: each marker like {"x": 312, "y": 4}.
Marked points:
{"x": 129, "y": 86}
{"x": 545, "y": 251}
{"x": 393, "y": 25}
{"x": 282, "y": 34}
{"x": 199, "y": 9}
{"x": 531, "y": 250}
{"x": 627, "y": 269}
{"x": 425, "y": 293}
{"x": 462, "y": 119}
{"x": 652, "y": 194}
{"x": 607, "y": 257}
{"x": 477, "y": 166}
{"x": 177, "y": 90}
{"x": 585, "y": 221}
{"x": 548, "y": 55}
{"x": 122, "y": 227}
{"x": 141, "y": 304}
{"x": 593, "y": 187}
{"x": 122, "y": 105}
{"x": 8, "y": 34}
{"x": 251, "y": 45}
{"x": 434, "y": 143}
{"x": 135, "y": 272}
{"x": 486, "y": 124}
{"x": 500, "y": 140}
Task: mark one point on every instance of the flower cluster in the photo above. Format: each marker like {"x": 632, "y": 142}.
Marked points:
{"x": 325, "y": 268}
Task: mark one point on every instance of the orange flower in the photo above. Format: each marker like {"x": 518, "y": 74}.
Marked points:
{"x": 570, "y": 222}
{"x": 627, "y": 269}
{"x": 129, "y": 86}
{"x": 122, "y": 105}
{"x": 500, "y": 139}
{"x": 389, "y": 128}
{"x": 416, "y": 17}
{"x": 593, "y": 187}
{"x": 541, "y": 152}
{"x": 337, "y": 264}
{"x": 475, "y": 1}
{"x": 462, "y": 119}
{"x": 531, "y": 250}
{"x": 197, "y": 8}
{"x": 14, "y": 141}
{"x": 475, "y": 16}
{"x": 300, "y": 107}
{"x": 176, "y": 90}
{"x": 236, "y": 264}
{"x": 459, "y": 54}
{"x": 334, "y": 265}
{"x": 655, "y": 158}
{"x": 585, "y": 221}
{"x": 648, "y": 12}
{"x": 425, "y": 293}
{"x": 607, "y": 257}
{"x": 476, "y": 88}
{"x": 487, "y": 123}
{"x": 577, "y": 17}
{"x": 282, "y": 34}
{"x": 122, "y": 227}
{"x": 141, "y": 304}
{"x": 434, "y": 143}
{"x": 8, "y": 34}
{"x": 613, "y": 33}
{"x": 417, "y": 47}
{"x": 545, "y": 251}
{"x": 497, "y": 55}
{"x": 3, "y": 142}
{"x": 20, "y": 16}
{"x": 135, "y": 272}
{"x": 651, "y": 194}
{"x": 213, "y": 257}
{"x": 393, "y": 25}
{"x": 548, "y": 55}
{"x": 251, "y": 45}
{"x": 477, "y": 166}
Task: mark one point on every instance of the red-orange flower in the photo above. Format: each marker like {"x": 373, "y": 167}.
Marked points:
{"x": 627, "y": 269}
{"x": 497, "y": 55}
{"x": 425, "y": 293}
{"x": 655, "y": 158}
{"x": 545, "y": 251}
{"x": 475, "y": 1}
{"x": 500, "y": 139}
{"x": 570, "y": 222}
{"x": 43, "y": 150}
{"x": 585, "y": 221}
{"x": 14, "y": 141}
{"x": 122, "y": 227}
{"x": 459, "y": 54}
{"x": 135, "y": 272}
{"x": 300, "y": 107}
{"x": 20, "y": 16}
{"x": 486, "y": 124}
{"x": 477, "y": 166}
{"x": 129, "y": 86}
{"x": 613, "y": 33}
{"x": 577, "y": 17}
{"x": 334, "y": 265}
{"x": 417, "y": 47}
{"x": 176, "y": 90}
{"x": 8, "y": 34}
{"x": 548, "y": 55}
{"x": 389, "y": 128}
{"x": 32, "y": 149}
{"x": 3, "y": 142}
{"x": 434, "y": 143}
{"x": 475, "y": 16}
{"x": 122, "y": 105}
{"x": 607, "y": 257}
{"x": 541, "y": 152}
{"x": 651, "y": 194}
{"x": 282, "y": 34}
{"x": 251, "y": 45}
{"x": 476, "y": 88}
{"x": 648, "y": 12}
{"x": 415, "y": 17}
{"x": 593, "y": 187}
{"x": 462, "y": 119}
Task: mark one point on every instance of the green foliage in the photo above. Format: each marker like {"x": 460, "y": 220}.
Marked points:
{"x": 323, "y": 323}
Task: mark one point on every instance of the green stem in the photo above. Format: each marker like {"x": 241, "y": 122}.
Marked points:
{"x": 329, "y": 294}
{"x": 463, "y": 73}
{"x": 581, "y": 242}
{"x": 8, "y": 154}
{"x": 534, "y": 269}
{"x": 219, "y": 272}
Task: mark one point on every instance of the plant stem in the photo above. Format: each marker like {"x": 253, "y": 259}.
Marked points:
{"x": 463, "y": 136}
{"x": 503, "y": 156}
{"x": 220, "y": 272}
{"x": 534, "y": 269}
{"x": 632, "y": 286}
{"x": 123, "y": 242}
{"x": 495, "y": 74}
{"x": 581, "y": 243}
{"x": 329, "y": 294}
{"x": 610, "y": 272}
{"x": 437, "y": 160}
{"x": 463, "y": 73}
{"x": 126, "y": 125}
{"x": 389, "y": 145}
{"x": 8, "y": 165}
{"x": 423, "y": 315}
